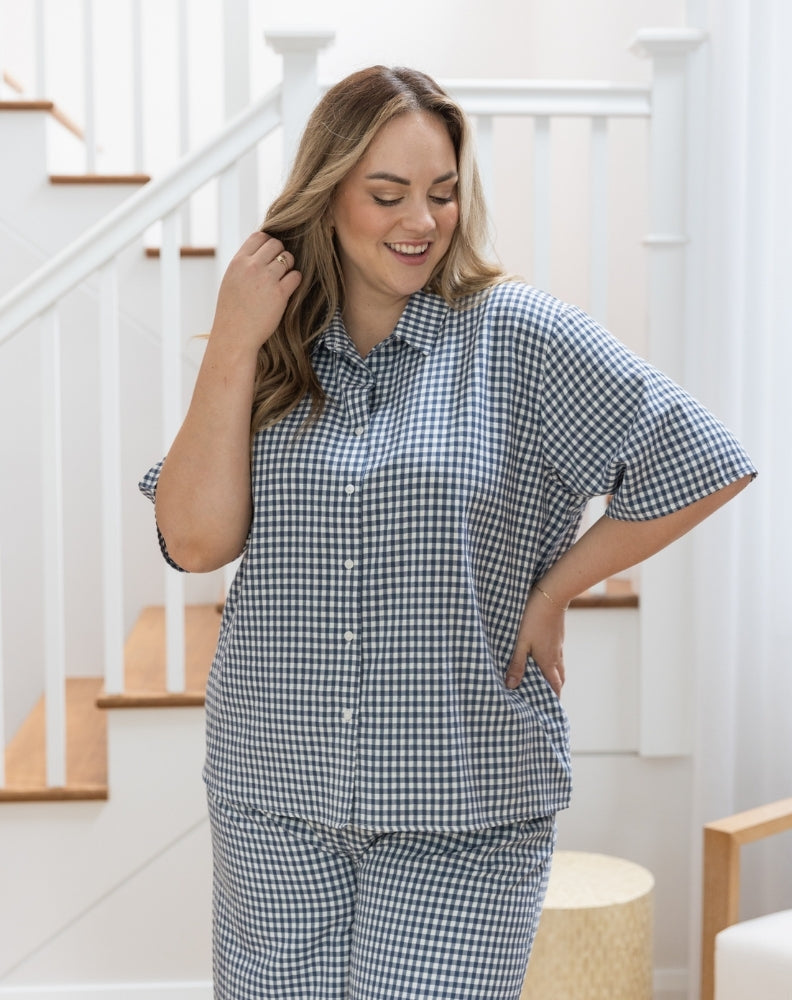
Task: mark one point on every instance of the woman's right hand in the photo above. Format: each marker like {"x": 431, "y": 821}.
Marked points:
{"x": 254, "y": 292}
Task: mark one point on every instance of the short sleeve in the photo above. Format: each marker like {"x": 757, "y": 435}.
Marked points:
{"x": 613, "y": 424}
{"x": 148, "y": 487}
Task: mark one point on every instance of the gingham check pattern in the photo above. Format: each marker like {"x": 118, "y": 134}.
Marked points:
{"x": 306, "y": 911}
{"x": 359, "y": 673}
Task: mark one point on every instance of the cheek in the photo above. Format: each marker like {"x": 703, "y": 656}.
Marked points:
{"x": 450, "y": 220}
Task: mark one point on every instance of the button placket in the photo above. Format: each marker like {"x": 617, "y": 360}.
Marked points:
{"x": 357, "y": 400}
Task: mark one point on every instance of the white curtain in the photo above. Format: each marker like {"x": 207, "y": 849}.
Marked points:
{"x": 740, "y": 362}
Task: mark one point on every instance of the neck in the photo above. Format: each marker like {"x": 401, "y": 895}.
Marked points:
{"x": 369, "y": 325}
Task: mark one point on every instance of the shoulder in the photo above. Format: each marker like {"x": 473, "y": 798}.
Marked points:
{"x": 514, "y": 304}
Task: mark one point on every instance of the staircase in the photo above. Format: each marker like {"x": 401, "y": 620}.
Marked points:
{"x": 104, "y": 873}
{"x": 104, "y": 879}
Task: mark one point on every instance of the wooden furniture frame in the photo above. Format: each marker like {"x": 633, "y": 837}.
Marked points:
{"x": 721, "y": 897}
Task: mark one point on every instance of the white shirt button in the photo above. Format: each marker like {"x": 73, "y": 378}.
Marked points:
{"x": 349, "y": 636}
{"x": 347, "y": 715}
{"x": 359, "y": 431}
{"x": 349, "y": 563}
{"x": 349, "y": 489}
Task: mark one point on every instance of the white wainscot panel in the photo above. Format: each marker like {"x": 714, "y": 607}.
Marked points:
{"x": 602, "y": 686}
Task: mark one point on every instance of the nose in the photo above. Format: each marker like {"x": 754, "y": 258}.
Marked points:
{"x": 418, "y": 217}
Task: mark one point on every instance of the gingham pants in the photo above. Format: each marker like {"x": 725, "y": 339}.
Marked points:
{"x": 308, "y": 912}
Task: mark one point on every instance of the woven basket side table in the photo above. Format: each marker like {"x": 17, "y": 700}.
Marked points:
{"x": 594, "y": 940}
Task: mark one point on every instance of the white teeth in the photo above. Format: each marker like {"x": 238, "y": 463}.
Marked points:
{"x": 408, "y": 249}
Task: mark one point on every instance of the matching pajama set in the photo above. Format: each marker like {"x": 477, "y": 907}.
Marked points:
{"x": 382, "y": 806}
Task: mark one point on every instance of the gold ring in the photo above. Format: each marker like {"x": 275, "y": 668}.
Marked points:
{"x": 282, "y": 258}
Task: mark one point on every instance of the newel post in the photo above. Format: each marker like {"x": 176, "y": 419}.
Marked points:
{"x": 666, "y": 596}
{"x": 299, "y": 50}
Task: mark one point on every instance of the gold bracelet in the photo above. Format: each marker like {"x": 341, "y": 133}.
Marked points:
{"x": 561, "y": 607}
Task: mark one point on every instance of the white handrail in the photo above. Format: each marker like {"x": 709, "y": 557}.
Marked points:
{"x": 124, "y": 224}
{"x": 551, "y": 98}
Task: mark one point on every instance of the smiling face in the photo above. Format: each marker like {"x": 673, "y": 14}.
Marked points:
{"x": 395, "y": 214}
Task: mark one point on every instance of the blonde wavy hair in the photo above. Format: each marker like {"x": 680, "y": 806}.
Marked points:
{"x": 336, "y": 137}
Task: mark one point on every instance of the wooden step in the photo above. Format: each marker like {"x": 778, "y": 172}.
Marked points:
{"x": 23, "y": 105}
{"x": 86, "y": 750}
{"x": 618, "y": 593}
{"x": 185, "y": 252}
{"x": 144, "y": 660}
{"x": 132, "y": 179}
{"x": 86, "y": 701}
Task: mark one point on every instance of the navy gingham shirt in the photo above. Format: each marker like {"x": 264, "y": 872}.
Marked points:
{"x": 359, "y": 675}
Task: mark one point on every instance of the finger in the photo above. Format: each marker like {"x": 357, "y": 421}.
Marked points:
{"x": 516, "y": 669}
{"x": 554, "y": 673}
{"x": 290, "y": 281}
{"x": 254, "y": 242}
{"x": 555, "y": 679}
{"x": 283, "y": 260}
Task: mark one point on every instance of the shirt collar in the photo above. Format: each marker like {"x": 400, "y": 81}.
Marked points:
{"x": 418, "y": 326}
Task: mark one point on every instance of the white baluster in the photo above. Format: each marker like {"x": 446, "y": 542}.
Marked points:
{"x": 485, "y": 155}
{"x": 39, "y": 41}
{"x": 598, "y": 237}
{"x": 52, "y": 535}
{"x": 89, "y": 99}
{"x": 228, "y": 234}
{"x": 665, "y": 594}
{"x": 228, "y": 211}
{"x": 541, "y": 203}
{"x": 110, "y": 464}
{"x": 170, "y": 294}
{"x": 236, "y": 97}
{"x": 185, "y": 90}
{"x": 2, "y": 684}
{"x": 138, "y": 153}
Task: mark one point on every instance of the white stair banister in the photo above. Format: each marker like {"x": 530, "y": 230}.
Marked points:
{"x": 124, "y": 224}
{"x": 39, "y": 23}
{"x": 542, "y": 181}
{"x": 665, "y": 726}
{"x": 554, "y": 99}
{"x": 300, "y": 81}
{"x": 236, "y": 97}
{"x": 110, "y": 471}
{"x": 52, "y": 538}
{"x": 89, "y": 87}
{"x": 2, "y": 683}
{"x": 485, "y": 156}
{"x": 598, "y": 237}
{"x": 136, "y": 33}
{"x": 170, "y": 293}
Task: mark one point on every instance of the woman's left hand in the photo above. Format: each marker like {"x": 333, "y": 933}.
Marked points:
{"x": 540, "y": 636}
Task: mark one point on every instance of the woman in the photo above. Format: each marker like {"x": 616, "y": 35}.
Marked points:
{"x": 386, "y": 747}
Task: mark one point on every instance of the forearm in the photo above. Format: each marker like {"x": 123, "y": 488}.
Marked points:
{"x": 203, "y": 503}
{"x": 610, "y": 547}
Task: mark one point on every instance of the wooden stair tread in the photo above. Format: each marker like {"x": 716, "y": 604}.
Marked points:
{"x": 23, "y": 105}
{"x": 144, "y": 659}
{"x": 86, "y": 750}
{"x": 618, "y": 593}
{"x": 189, "y": 251}
{"x": 86, "y": 720}
{"x": 99, "y": 179}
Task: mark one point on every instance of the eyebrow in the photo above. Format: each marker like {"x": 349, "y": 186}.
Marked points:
{"x": 383, "y": 175}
